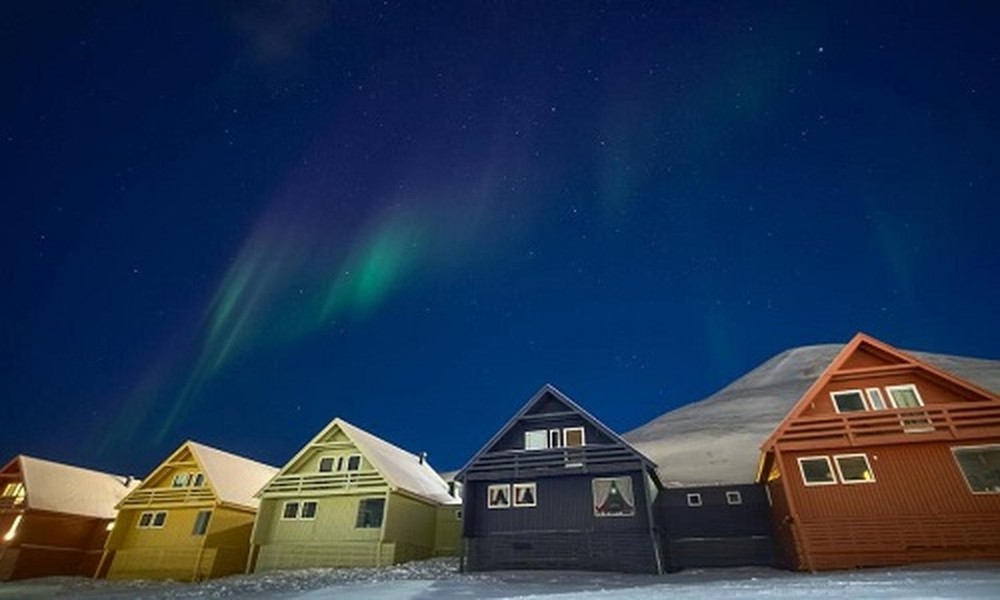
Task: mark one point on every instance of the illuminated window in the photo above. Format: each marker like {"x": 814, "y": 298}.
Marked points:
{"x": 525, "y": 494}
{"x": 201, "y": 522}
{"x": 816, "y": 470}
{"x": 694, "y": 500}
{"x": 498, "y": 496}
{"x": 981, "y": 467}
{"x": 854, "y": 468}
{"x": 848, "y": 401}
{"x": 613, "y": 497}
{"x": 536, "y": 440}
{"x": 733, "y": 498}
{"x": 14, "y": 490}
{"x": 370, "y": 511}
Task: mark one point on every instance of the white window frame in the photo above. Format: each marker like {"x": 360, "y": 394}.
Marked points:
{"x": 860, "y": 393}
{"x": 526, "y": 485}
{"x": 840, "y": 473}
{"x": 734, "y": 498}
{"x": 536, "y": 434}
{"x": 694, "y": 500}
{"x": 802, "y": 471}
{"x": 962, "y": 471}
{"x": 347, "y": 463}
{"x": 284, "y": 510}
{"x": 583, "y": 436}
{"x": 873, "y": 392}
{"x": 302, "y": 510}
{"x": 489, "y": 496}
{"x": 905, "y": 386}
{"x": 555, "y": 438}
{"x": 177, "y": 477}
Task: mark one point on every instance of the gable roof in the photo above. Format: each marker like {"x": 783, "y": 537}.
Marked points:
{"x": 550, "y": 390}
{"x": 400, "y": 469}
{"x": 717, "y": 440}
{"x": 63, "y": 488}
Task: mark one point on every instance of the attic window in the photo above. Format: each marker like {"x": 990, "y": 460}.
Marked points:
{"x": 904, "y": 396}
{"x": 816, "y": 470}
{"x": 181, "y": 480}
{"x": 555, "y": 438}
{"x": 536, "y": 440}
{"x": 875, "y": 399}
{"x": 694, "y": 500}
{"x": 354, "y": 462}
{"x": 14, "y": 490}
{"x": 199, "y": 480}
{"x": 573, "y": 436}
{"x": 613, "y": 497}
{"x": 734, "y": 498}
{"x": 981, "y": 467}
{"x": 848, "y": 401}
{"x": 370, "y": 511}
{"x": 327, "y": 463}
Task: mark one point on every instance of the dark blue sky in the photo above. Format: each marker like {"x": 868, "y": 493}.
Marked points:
{"x": 233, "y": 222}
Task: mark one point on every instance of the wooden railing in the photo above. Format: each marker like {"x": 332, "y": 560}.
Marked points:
{"x": 941, "y": 422}
{"x": 10, "y": 502}
{"x": 168, "y": 496}
{"x": 518, "y": 463}
{"x": 298, "y": 484}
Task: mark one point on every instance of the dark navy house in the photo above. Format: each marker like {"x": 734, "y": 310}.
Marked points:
{"x": 557, "y": 489}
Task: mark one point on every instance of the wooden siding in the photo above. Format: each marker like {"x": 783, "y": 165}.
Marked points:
{"x": 448, "y": 531}
{"x": 626, "y": 552}
{"x": 49, "y": 544}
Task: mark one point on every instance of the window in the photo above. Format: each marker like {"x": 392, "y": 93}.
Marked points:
{"x": 734, "y": 498}
{"x": 981, "y": 467}
{"x": 159, "y": 519}
{"x": 14, "y": 490}
{"x": 201, "y": 522}
{"x": 326, "y": 464}
{"x": 816, "y": 470}
{"x": 12, "y": 532}
{"x": 875, "y": 399}
{"x": 199, "y": 480}
{"x": 498, "y": 496}
{"x": 573, "y": 436}
{"x": 555, "y": 438}
{"x": 181, "y": 480}
{"x": 308, "y": 510}
{"x": 613, "y": 497}
{"x": 354, "y": 462}
{"x": 370, "y": 511}
{"x": 458, "y": 514}
{"x": 854, "y": 468}
{"x": 290, "y": 511}
{"x": 848, "y": 401}
{"x": 145, "y": 519}
{"x": 525, "y": 494}
{"x": 904, "y": 396}
{"x": 694, "y": 500}
{"x": 536, "y": 440}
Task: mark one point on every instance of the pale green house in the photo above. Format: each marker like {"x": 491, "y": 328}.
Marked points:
{"x": 349, "y": 498}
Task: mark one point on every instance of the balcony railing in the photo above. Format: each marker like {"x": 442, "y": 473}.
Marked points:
{"x": 518, "y": 463}
{"x": 169, "y": 496}
{"x": 942, "y": 422}
{"x": 11, "y": 502}
{"x": 320, "y": 483}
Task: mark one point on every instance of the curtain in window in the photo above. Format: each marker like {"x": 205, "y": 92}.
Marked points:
{"x": 613, "y": 497}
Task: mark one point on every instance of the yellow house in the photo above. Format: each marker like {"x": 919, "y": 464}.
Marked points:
{"x": 189, "y": 520}
{"x": 349, "y": 498}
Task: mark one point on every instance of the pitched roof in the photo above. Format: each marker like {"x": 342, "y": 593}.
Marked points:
{"x": 233, "y": 478}
{"x": 718, "y": 439}
{"x": 549, "y": 389}
{"x": 62, "y": 488}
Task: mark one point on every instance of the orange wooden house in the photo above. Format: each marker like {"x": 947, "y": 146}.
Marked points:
{"x": 54, "y": 518}
{"x": 886, "y": 459}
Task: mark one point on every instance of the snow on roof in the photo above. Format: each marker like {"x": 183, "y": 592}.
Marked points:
{"x": 400, "y": 469}
{"x": 235, "y": 479}
{"x": 717, "y": 440}
{"x": 72, "y": 490}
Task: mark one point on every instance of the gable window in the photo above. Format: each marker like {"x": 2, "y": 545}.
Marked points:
{"x": 159, "y": 519}
{"x": 816, "y": 470}
{"x": 327, "y": 463}
{"x": 904, "y": 396}
{"x": 201, "y": 522}
{"x": 14, "y": 490}
{"x": 875, "y": 399}
{"x": 198, "y": 480}
{"x": 290, "y": 510}
{"x": 498, "y": 496}
{"x": 573, "y": 436}
{"x": 854, "y": 468}
{"x": 354, "y": 462}
{"x": 525, "y": 494}
{"x": 536, "y": 440}
{"x": 981, "y": 467}
{"x": 848, "y": 401}
{"x": 181, "y": 480}
{"x": 145, "y": 519}
{"x": 734, "y": 497}
{"x": 613, "y": 497}
{"x": 694, "y": 500}
{"x": 370, "y": 511}
{"x": 308, "y": 510}
{"x": 555, "y": 438}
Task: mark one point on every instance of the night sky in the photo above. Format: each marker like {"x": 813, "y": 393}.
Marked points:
{"x": 233, "y": 222}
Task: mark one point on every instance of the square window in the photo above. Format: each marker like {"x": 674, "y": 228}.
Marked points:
{"x": 734, "y": 498}
{"x": 536, "y": 440}
{"x": 145, "y": 519}
{"x": 326, "y": 464}
{"x": 555, "y": 438}
{"x": 875, "y": 399}
{"x": 201, "y": 522}
{"x": 181, "y": 480}
{"x": 290, "y": 511}
{"x": 613, "y": 497}
{"x": 370, "y": 511}
{"x": 498, "y": 496}
{"x": 159, "y": 519}
{"x": 904, "y": 396}
{"x": 354, "y": 462}
{"x": 848, "y": 401}
{"x": 573, "y": 436}
{"x": 694, "y": 500}
{"x": 816, "y": 470}
{"x": 981, "y": 467}
{"x": 308, "y": 510}
{"x": 525, "y": 494}
{"x": 854, "y": 468}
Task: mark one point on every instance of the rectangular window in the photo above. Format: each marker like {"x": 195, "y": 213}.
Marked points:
{"x": 290, "y": 511}
{"x": 555, "y": 438}
{"x": 694, "y": 500}
{"x": 904, "y": 396}
{"x": 498, "y": 495}
{"x": 613, "y": 497}
{"x": 875, "y": 399}
{"x": 159, "y": 519}
{"x": 458, "y": 514}
{"x": 981, "y": 467}
{"x": 525, "y": 494}
{"x": 573, "y": 436}
{"x": 816, "y": 470}
{"x": 326, "y": 464}
{"x": 145, "y": 520}
{"x": 854, "y": 468}
{"x": 536, "y": 440}
{"x": 354, "y": 462}
{"x": 370, "y": 511}
{"x": 733, "y": 498}
{"x": 199, "y": 480}
{"x": 848, "y": 401}
{"x": 201, "y": 522}
{"x": 308, "y": 510}
{"x": 181, "y": 480}
{"x": 14, "y": 490}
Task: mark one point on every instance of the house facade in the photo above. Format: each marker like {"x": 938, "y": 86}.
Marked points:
{"x": 54, "y": 518}
{"x": 557, "y": 489}
{"x": 189, "y": 520}
{"x": 349, "y": 498}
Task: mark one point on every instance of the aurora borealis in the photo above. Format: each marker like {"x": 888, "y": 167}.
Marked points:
{"x": 233, "y": 222}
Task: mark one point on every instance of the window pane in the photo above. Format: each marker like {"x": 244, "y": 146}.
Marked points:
{"x": 694, "y": 499}
{"x": 201, "y": 522}
{"x": 875, "y": 399}
{"x": 555, "y": 438}
{"x": 498, "y": 496}
{"x": 354, "y": 463}
{"x": 145, "y": 519}
{"x": 309, "y": 510}
{"x": 981, "y": 468}
{"x": 613, "y": 497}
{"x": 535, "y": 440}
{"x": 199, "y": 480}
{"x": 854, "y": 468}
{"x": 573, "y": 436}
{"x": 291, "y": 510}
{"x": 905, "y": 397}
{"x": 816, "y": 470}
{"x": 849, "y": 401}
{"x": 159, "y": 519}
{"x": 370, "y": 512}
{"x": 326, "y": 464}
{"x": 181, "y": 479}
{"x": 524, "y": 494}
{"x": 734, "y": 498}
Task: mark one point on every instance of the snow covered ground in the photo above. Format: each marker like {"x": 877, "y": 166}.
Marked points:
{"x": 438, "y": 579}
